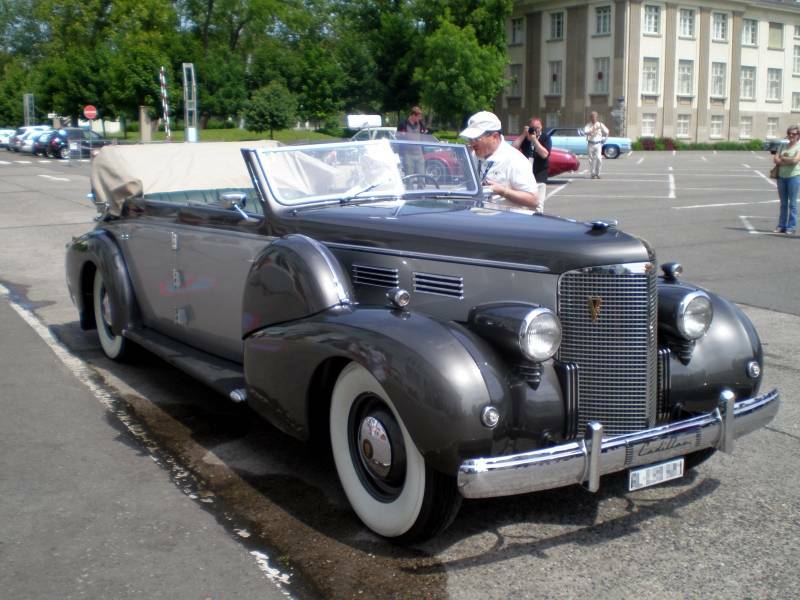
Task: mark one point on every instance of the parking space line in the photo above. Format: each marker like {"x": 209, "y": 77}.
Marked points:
{"x": 745, "y": 219}
{"x": 555, "y": 191}
{"x": 4, "y": 162}
{"x": 53, "y": 178}
{"x": 671, "y": 186}
{"x": 723, "y": 204}
{"x": 22, "y": 162}
{"x": 638, "y": 162}
{"x": 772, "y": 182}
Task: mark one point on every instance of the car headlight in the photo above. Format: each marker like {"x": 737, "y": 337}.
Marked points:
{"x": 518, "y": 329}
{"x": 540, "y": 334}
{"x": 695, "y": 313}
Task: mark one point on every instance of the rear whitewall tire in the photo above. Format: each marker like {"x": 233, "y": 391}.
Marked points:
{"x": 115, "y": 347}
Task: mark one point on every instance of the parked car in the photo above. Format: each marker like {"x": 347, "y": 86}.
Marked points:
{"x": 41, "y": 142}
{"x": 440, "y": 165}
{"x": 75, "y": 142}
{"x": 773, "y": 144}
{"x": 5, "y": 134}
{"x": 15, "y": 141}
{"x": 574, "y": 140}
{"x": 445, "y": 349}
{"x": 27, "y": 139}
{"x": 561, "y": 161}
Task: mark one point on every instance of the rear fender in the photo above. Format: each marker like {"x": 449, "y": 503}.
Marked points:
{"x": 98, "y": 250}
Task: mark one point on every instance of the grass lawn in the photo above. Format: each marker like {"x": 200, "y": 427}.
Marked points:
{"x": 287, "y": 136}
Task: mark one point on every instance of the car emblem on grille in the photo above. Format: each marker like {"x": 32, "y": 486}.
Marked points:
{"x": 594, "y": 302}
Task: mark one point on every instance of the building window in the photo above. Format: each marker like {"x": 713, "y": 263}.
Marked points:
{"x": 796, "y": 61}
{"x": 516, "y": 31}
{"x": 749, "y": 32}
{"x": 746, "y": 127}
{"x": 682, "y": 126}
{"x": 715, "y": 129}
{"x": 601, "y": 68}
{"x": 513, "y": 123}
{"x": 515, "y": 87}
{"x": 747, "y": 83}
{"x": 718, "y": 79}
{"x": 797, "y": 32}
{"x": 720, "y": 27}
{"x": 557, "y": 26}
{"x": 652, "y": 20}
{"x": 795, "y": 101}
{"x": 603, "y": 20}
{"x": 650, "y": 76}
{"x": 555, "y": 77}
{"x": 774, "y": 84}
{"x": 648, "y": 124}
{"x": 772, "y": 127}
{"x": 776, "y": 36}
{"x": 687, "y": 22}
{"x": 553, "y": 119}
{"x": 685, "y": 77}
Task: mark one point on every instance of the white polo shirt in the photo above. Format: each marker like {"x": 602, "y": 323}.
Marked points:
{"x": 508, "y": 166}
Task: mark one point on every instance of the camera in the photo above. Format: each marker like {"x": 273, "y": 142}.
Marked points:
{"x": 533, "y": 130}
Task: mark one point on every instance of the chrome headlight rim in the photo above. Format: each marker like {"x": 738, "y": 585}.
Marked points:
{"x": 522, "y": 335}
{"x": 680, "y": 317}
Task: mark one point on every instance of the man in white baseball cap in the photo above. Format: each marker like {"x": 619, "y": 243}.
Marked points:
{"x": 504, "y": 169}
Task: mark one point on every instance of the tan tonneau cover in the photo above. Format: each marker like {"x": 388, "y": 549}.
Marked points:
{"x": 120, "y": 172}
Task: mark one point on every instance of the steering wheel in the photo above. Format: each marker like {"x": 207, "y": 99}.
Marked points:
{"x": 421, "y": 176}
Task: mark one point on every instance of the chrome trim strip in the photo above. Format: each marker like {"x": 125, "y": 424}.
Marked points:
{"x": 569, "y": 463}
{"x": 445, "y": 258}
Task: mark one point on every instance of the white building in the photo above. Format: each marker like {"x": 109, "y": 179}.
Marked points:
{"x": 695, "y": 71}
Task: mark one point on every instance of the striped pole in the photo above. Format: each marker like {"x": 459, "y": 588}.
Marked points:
{"x": 164, "y": 101}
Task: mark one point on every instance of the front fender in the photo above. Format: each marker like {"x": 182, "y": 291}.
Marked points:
{"x": 718, "y": 360}
{"x": 438, "y": 375}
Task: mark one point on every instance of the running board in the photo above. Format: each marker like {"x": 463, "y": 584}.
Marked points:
{"x": 221, "y": 375}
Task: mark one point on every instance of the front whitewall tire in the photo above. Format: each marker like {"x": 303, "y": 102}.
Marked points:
{"x": 392, "y": 518}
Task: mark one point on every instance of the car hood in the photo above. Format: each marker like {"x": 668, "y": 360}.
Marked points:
{"x": 457, "y": 230}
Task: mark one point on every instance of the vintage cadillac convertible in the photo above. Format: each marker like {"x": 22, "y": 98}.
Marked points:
{"x": 444, "y": 347}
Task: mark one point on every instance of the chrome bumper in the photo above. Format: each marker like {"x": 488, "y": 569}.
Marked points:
{"x": 584, "y": 461}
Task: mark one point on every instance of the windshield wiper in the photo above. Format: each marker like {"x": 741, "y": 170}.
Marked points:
{"x": 368, "y": 188}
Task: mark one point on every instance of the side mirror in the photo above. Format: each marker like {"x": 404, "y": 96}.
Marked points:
{"x": 236, "y": 201}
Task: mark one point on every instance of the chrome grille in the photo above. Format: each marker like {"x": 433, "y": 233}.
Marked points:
{"x": 378, "y": 276}
{"x": 608, "y": 316}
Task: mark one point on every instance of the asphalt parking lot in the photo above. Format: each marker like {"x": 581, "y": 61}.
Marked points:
{"x": 712, "y": 212}
{"x": 240, "y": 492}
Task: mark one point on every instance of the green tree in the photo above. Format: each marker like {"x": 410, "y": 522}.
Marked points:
{"x": 271, "y": 107}
{"x": 457, "y": 75}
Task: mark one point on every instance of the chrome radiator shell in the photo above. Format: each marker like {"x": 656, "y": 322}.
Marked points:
{"x": 608, "y": 316}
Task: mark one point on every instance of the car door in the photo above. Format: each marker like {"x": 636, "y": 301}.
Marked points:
{"x": 216, "y": 245}
{"x": 146, "y": 239}
{"x": 570, "y": 138}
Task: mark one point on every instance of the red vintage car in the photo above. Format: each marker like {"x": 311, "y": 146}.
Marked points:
{"x": 561, "y": 161}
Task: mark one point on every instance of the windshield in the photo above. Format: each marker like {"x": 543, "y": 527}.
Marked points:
{"x": 351, "y": 171}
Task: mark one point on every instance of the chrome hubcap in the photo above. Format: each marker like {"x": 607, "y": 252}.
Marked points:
{"x": 374, "y": 446}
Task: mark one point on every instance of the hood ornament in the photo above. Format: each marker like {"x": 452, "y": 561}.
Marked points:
{"x": 594, "y": 303}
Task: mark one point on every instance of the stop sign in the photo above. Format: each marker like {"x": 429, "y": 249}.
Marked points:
{"x": 90, "y": 112}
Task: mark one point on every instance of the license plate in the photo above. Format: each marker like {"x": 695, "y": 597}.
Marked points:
{"x": 73, "y": 145}
{"x": 655, "y": 474}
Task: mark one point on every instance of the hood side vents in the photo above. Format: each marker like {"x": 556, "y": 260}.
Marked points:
{"x": 377, "y": 276}
{"x": 441, "y": 285}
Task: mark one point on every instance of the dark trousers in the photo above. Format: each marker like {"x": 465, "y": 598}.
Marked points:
{"x": 541, "y": 175}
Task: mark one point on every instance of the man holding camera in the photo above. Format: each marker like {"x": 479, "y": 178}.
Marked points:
{"x": 535, "y": 144}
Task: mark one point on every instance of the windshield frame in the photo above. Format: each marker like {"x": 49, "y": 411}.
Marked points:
{"x": 469, "y": 188}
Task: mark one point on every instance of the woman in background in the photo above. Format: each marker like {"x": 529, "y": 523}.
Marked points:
{"x": 788, "y": 160}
